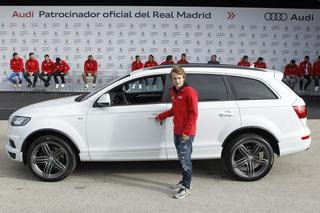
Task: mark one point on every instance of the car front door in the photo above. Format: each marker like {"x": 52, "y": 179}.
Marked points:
{"x": 127, "y": 129}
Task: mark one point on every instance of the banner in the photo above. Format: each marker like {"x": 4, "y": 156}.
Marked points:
{"x": 114, "y": 35}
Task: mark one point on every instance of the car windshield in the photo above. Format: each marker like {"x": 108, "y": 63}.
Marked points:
{"x": 85, "y": 96}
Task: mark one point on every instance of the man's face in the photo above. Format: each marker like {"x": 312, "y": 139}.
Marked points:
{"x": 245, "y": 59}
{"x": 16, "y": 57}
{"x": 137, "y": 58}
{"x": 306, "y": 59}
{"x": 213, "y": 58}
{"x": 32, "y": 57}
{"x": 150, "y": 58}
{"x": 177, "y": 80}
{"x": 183, "y": 57}
{"x": 90, "y": 58}
{"x": 46, "y": 58}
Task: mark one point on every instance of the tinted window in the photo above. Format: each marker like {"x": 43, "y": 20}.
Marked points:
{"x": 250, "y": 89}
{"x": 139, "y": 91}
{"x": 209, "y": 87}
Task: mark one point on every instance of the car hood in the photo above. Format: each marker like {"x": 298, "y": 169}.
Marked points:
{"x": 55, "y": 107}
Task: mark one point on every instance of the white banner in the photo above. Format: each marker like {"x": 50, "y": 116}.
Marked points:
{"x": 114, "y": 35}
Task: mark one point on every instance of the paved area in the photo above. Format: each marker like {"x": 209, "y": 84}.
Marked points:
{"x": 293, "y": 185}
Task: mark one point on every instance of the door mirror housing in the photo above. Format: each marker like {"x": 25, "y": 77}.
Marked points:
{"x": 104, "y": 100}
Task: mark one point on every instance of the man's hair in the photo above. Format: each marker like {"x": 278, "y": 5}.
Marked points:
{"x": 58, "y": 60}
{"x": 178, "y": 70}
{"x": 137, "y": 56}
{"x": 183, "y": 54}
{"x": 260, "y": 59}
{"x": 30, "y": 54}
{"x": 307, "y": 57}
{"x": 293, "y": 61}
{"x": 90, "y": 56}
{"x": 46, "y": 55}
{"x": 169, "y": 57}
{"x": 245, "y": 57}
{"x": 14, "y": 54}
{"x": 151, "y": 56}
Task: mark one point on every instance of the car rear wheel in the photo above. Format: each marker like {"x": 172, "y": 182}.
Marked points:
{"x": 248, "y": 157}
{"x": 50, "y": 158}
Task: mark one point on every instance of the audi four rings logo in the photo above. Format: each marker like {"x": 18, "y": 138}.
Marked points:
{"x": 275, "y": 16}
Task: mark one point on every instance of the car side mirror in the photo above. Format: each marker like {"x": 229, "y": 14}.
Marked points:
{"x": 104, "y": 100}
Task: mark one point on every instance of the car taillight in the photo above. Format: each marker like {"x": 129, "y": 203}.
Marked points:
{"x": 301, "y": 111}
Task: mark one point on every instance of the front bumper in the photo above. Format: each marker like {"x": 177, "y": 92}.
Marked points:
{"x": 13, "y": 153}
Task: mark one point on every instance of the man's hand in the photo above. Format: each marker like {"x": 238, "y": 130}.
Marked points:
{"x": 30, "y": 73}
{"x": 185, "y": 137}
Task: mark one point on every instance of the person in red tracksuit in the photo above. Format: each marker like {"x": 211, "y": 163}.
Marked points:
{"x": 185, "y": 113}
{"x": 169, "y": 60}
{"x": 16, "y": 65}
{"x": 137, "y": 64}
{"x": 90, "y": 69}
{"x": 151, "y": 63}
{"x": 61, "y": 69}
{"x": 316, "y": 72}
{"x": 290, "y": 74}
{"x": 305, "y": 72}
{"x": 183, "y": 59}
{"x": 47, "y": 69}
{"x": 260, "y": 64}
{"x": 244, "y": 62}
{"x": 32, "y": 69}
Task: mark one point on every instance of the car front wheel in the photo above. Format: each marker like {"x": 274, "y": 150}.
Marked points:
{"x": 50, "y": 158}
{"x": 248, "y": 157}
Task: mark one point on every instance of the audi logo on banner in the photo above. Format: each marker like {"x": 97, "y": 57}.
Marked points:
{"x": 275, "y": 16}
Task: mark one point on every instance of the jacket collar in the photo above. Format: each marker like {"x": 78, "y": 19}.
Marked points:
{"x": 181, "y": 89}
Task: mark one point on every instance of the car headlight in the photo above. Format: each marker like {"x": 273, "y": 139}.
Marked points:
{"x": 19, "y": 120}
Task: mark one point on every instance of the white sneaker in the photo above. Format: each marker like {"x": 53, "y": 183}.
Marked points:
{"x": 20, "y": 85}
{"x": 15, "y": 85}
{"x": 57, "y": 86}
{"x": 86, "y": 86}
{"x": 140, "y": 86}
{"x": 182, "y": 193}
{"x": 62, "y": 85}
{"x": 316, "y": 88}
{"x": 94, "y": 85}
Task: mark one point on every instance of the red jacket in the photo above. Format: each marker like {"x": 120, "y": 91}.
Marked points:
{"x": 90, "y": 66}
{"x": 16, "y": 65}
{"x": 184, "y": 110}
{"x": 150, "y": 64}
{"x": 32, "y": 65}
{"x": 63, "y": 66}
{"x": 181, "y": 61}
{"x": 291, "y": 70}
{"x": 244, "y": 64}
{"x": 316, "y": 68}
{"x": 48, "y": 67}
{"x": 303, "y": 66}
{"x": 136, "y": 65}
{"x": 167, "y": 62}
{"x": 260, "y": 65}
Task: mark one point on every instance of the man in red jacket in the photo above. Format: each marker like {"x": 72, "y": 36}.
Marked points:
{"x": 16, "y": 65}
{"x": 290, "y": 73}
{"x": 260, "y": 63}
{"x": 183, "y": 59}
{"x": 185, "y": 113}
{"x": 61, "y": 69}
{"x": 169, "y": 60}
{"x": 305, "y": 72}
{"x": 316, "y": 72}
{"x": 32, "y": 69}
{"x": 47, "y": 69}
{"x": 90, "y": 69}
{"x": 137, "y": 64}
{"x": 244, "y": 62}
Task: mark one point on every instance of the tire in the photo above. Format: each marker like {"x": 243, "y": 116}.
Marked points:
{"x": 50, "y": 158}
{"x": 248, "y": 157}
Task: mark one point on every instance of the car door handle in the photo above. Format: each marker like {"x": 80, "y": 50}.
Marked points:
{"x": 226, "y": 114}
{"x": 153, "y": 115}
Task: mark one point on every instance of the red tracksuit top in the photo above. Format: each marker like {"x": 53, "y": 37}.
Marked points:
{"x": 291, "y": 70}
{"x": 90, "y": 66}
{"x": 316, "y": 68}
{"x": 302, "y": 67}
{"x": 184, "y": 110}
{"x": 48, "y": 67}
{"x": 260, "y": 65}
{"x": 16, "y": 65}
{"x": 63, "y": 66}
{"x": 181, "y": 61}
{"x": 167, "y": 62}
{"x": 32, "y": 65}
{"x": 136, "y": 65}
{"x": 150, "y": 64}
{"x": 244, "y": 64}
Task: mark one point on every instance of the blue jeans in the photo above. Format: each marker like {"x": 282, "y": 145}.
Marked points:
{"x": 13, "y": 75}
{"x": 184, "y": 151}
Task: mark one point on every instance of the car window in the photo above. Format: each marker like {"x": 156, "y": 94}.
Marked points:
{"x": 139, "y": 91}
{"x": 250, "y": 89}
{"x": 209, "y": 87}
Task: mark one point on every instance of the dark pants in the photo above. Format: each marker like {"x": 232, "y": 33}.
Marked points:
{"x": 301, "y": 82}
{"x": 184, "y": 151}
{"x": 27, "y": 76}
{"x": 316, "y": 80}
{"x": 45, "y": 80}
{"x": 60, "y": 74}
